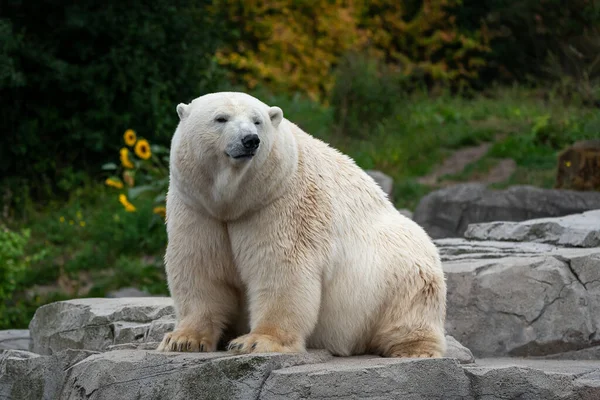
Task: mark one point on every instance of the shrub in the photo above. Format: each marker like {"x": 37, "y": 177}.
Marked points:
{"x": 13, "y": 267}
{"x": 364, "y": 95}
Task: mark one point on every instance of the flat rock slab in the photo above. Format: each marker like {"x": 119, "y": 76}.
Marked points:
{"x": 448, "y": 212}
{"x": 15, "y": 339}
{"x": 577, "y": 230}
{"x": 96, "y": 323}
{"x": 521, "y": 299}
{"x": 135, "y": 374}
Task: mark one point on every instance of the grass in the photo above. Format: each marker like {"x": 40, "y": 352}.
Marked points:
{"x": 90, "y": 245}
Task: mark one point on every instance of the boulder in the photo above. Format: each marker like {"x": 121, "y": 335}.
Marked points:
{"x": 521, "y": 299}
{"x": 577, "y": 230}
{"x": 128, "y": 292}
{"x": 448, "y": 212}
{"x": 25, "y": 375}
{"x": 406, "y": 212}
{"x": 384, "y": 181}
{"x": 95, "y": 324}
{"x": 139, "y": 374}
{"x": 15, "y": 339}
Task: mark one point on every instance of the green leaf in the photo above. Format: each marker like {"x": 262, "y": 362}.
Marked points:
{"x": 136, "y": 191}
{"x": 109, "y": 166}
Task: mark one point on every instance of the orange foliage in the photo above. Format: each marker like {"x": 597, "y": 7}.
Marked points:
{"x": 294, "y": 45}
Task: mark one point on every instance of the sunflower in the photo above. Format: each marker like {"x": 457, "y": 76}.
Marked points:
{"x": 114, "y": 183}
{"x": 128, "y": 206}
{"x": 142, "y": 149}
{"x": 125, "y": 158}
{"x": 129, "y": 137}
{"x": 160, "y": 210}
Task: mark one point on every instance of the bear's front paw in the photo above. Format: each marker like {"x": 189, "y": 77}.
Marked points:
{"x": 261, "y": 343}
{"x": 186, "y": 340}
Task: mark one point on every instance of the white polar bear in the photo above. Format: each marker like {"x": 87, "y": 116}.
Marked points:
{"x": 275, "y": 236}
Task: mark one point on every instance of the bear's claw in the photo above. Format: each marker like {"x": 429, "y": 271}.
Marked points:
{"x": 259, "y": 343}
{"x": 185, "y": 341}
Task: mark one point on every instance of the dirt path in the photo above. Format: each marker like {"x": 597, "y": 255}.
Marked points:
{"x": 457, "y": 162}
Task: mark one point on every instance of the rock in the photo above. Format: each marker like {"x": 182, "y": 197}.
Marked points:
{"x": 406, "y": 212}
{"x": 577, "y": 230}
{"x": 524, "y": 299}
{"x": 448, "y": 212}
{"x": 128, "y": 292}
{"x": 15, "y": 339}
{"x": 591, "y": 353}
{"x": 371, "y": 378}
{"x": 456, "y": 350}
{"x": 384, "y": 181}
{"x": 139, "y": 374}
{"x": 25, "y": 375}
{"x": 534, "y": 379}
{"x": 129, "y": 374}
{"x": 95, "y": 324}
{"x": 579, "y": 166}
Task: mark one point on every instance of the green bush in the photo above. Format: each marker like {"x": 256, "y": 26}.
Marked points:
{"x": 75, "y": 74}
{"x": 13, "y": 268}
{"x": 364, "y": 94}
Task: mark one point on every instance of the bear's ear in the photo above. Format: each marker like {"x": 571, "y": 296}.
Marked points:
{"x": 183, "y": 110}
{"x": 276, "y": 115}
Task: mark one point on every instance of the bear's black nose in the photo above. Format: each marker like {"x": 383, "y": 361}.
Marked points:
{"x": 251, "y": 141}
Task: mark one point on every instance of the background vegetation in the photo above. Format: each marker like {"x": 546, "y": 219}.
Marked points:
{"x": 399, "y": 86}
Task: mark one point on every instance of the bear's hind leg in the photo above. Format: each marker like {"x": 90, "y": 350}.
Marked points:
{"x": 414, "y": 328}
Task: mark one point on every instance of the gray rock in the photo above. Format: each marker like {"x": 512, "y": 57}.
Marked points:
{"x": 139, "y": 374}
{"x": 377, "y": 378}
{"x": 577, "y": 230}
{"x": 448, "y": 212}
{"x": 95, "y": 324}
{"x": 527, "y": 301}
{"x": 136, "y": 374}
{"x": 591, "y": 353}
{"x": 128, "y": 292}
{"x": 384, "y": 181}
{"x": 456, "y": 350}
{"x": 159, "y": 327}
{"x": 25, "y": 375}
{"x": 533, "y": 379}
{"x": 406, "y": 212}
{"x": 15, "y": 339}
{"x": 370, "y": 378}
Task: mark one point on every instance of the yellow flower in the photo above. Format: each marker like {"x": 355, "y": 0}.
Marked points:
{"x": 114, "y": 183}
{"x": 129, "y": 137}
{"x": 128, "y": 206}
{"x": 82, "y": 223}
{"x": 62, "y": 219}
{"x": 142, "y": 149}
{"x": 162, "y": 211}
{"x": 125, "y": 158}
{"x": 71, "y": 222}
{"x": 568, "y": 163}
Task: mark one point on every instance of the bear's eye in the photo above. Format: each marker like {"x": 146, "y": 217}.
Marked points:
{"x": 221, "y": 119}
{"x": 256, "y": 122}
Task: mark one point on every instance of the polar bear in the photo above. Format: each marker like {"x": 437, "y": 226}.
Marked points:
{"x": 277, "y": 237}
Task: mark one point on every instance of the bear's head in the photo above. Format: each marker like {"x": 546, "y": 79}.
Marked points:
{"x": 233, "y": 127}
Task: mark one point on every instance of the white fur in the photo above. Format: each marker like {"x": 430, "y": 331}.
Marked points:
{"x": 297, "y": 246}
